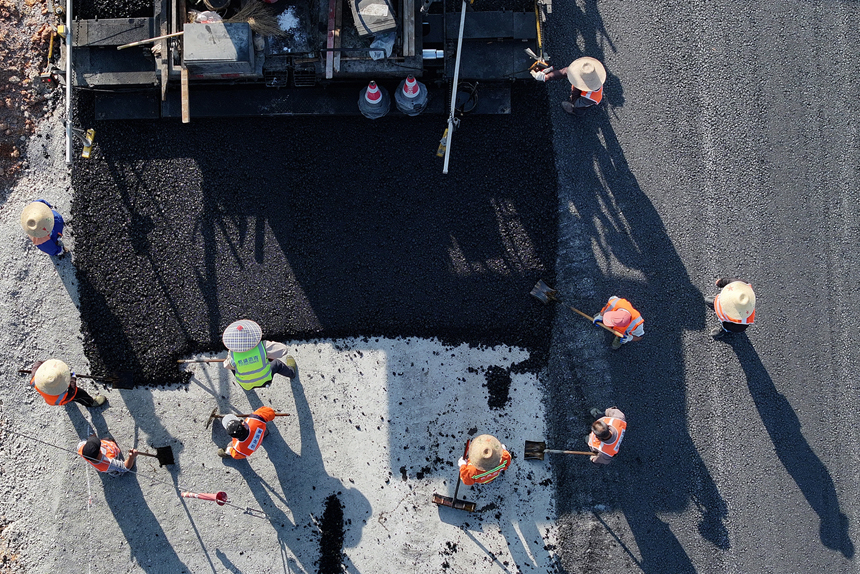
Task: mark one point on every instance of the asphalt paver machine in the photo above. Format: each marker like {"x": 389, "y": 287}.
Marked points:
{"x": 322, "y": 54}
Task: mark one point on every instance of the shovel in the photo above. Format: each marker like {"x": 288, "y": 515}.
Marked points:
{"x": 545, "y": 294}
{"x": 164, "y": 454}
{"x": 535, "y": 451}
{"x": 199, "y": 360}
{"x": 125, "y": 379}
{"x": 440, "y": 500}
{"x": 214, "y": 415}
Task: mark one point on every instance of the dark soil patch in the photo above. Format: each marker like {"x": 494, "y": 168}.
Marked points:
{"x": 331, "y": 541}
{"x": 498, "y": 385}
{"x": 313, "y": 227}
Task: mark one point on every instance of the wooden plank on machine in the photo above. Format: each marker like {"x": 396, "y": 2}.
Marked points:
{"x": 408, "y": 28}
{"x": 338, "y": 19}
{"x": 329, "y": 55}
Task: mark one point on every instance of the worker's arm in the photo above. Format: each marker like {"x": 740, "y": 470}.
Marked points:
{"x": 506, "y": 459}
{"x": 614, "y": 413}
{"x": 275, "y": 350}
{"x": 467, "y": 471}
{"x": 129, "y": 462}
{"x": 266, "y": 413}
{"x": 636, "y": 335}
{"x": 33, "y": 370}
{"x": 600, "y": 458}
{"x": 723, "y": 281}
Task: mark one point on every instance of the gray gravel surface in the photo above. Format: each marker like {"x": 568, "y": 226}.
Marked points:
{"x": 728, "y": 148}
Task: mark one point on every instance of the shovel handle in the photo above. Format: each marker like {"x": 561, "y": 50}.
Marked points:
{"x": 140, "y": 452}
{"x": 276, "y": 414}
{"x": 199, "y": 360}
{"x": 570, "y": 452}
{"x": 590, "y": 318}
{"x": 108, "y": 379}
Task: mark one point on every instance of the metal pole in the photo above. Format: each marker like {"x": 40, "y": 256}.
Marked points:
{"x": 69, "y": 82}
{"x": 454, "y": 91}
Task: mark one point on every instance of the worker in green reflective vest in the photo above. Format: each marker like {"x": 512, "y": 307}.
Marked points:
{"x": 253, "y": 361}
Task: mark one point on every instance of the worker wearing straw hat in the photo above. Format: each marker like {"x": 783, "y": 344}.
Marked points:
{"x": 606, "y": 435}
{"x": 734, "y": 306}
{"x": 57, "y": 384}
{"x": 105, "y": 455}
{"x": 487, "y": 459}
{"x": 253, "y": 361}
{"x": 620, "y": 316}
{"x": 44, "y": 227}
{"x": 247, "y": 434}
{"x": 586, "y": 76}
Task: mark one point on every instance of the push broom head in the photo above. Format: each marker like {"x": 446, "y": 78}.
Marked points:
{"x": 454, "y": 503}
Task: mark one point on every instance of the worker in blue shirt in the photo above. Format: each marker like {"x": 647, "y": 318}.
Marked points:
{"x": 44, "y": 227}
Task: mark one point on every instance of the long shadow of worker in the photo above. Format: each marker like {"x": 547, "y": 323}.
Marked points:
{"x": 356, "y": 507}
{"x": 84, "y": 425}
{"x": 303, "y": 496}
{"x": 147, "y": 542}
{"x": 793, "y": 451}
{"x": 607, "y": 215}
{"x": 626, "y": 232}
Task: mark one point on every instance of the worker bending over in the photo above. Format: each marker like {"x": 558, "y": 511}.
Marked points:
{"x": 586, "y": 76}
{"x": 606, "y": 435}
{"x": 619, "y": 315}
{"x": 253, "y": 361}
{"x": 487, "y": 459}
{"x": 105, "y": 455}
{"x": 58, "y": 386}
{"x": 248, "y": 434}
{"x": 734, "y": 306}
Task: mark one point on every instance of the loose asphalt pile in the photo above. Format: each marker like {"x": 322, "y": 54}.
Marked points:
{"x": 312, "y": 227}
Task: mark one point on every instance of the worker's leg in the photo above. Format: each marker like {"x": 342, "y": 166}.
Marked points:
{"x": 83, "y": 398}
{"x": 283, "y": 368}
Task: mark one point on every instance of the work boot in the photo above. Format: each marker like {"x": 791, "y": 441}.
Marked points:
{"x": 717, "y": 332}
{"x": 223, "y": 453}
{"x": 710, "y": 299}
{"x": 99, "y": 400}
{"x": 596, "y": 412}
{"x": 568, "y": 107}
{"x": 291, "y": 363}
{"x": 616, "y": 343}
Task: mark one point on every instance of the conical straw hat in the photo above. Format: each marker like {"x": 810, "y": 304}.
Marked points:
{"x": 586, "y": 74}
{"x": 242, "y": 336}
{"x": 53, "y": 377}
{"x": 737, "y": 300}
{"x": 37, "y": 219}
{"x": 485, "y": 452}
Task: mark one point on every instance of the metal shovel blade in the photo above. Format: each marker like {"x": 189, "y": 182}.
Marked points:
{"x": 124, "y": 380}
{"x": 454, "y": 503}
{"x": 164, "y": 454}
{"x": 543, "y": 292}
{"x": 534, "y": 450}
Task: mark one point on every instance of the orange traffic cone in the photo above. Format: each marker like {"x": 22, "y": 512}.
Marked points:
{"x": 410, "y": 87}
{"x": 411, "y": 96}
{"x": 373, "y": 95}
{"x": 373, "y": 102}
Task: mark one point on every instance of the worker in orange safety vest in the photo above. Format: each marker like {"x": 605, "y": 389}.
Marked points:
{"x": 734, "y": 306}
{"x": 248, "y": 434}
{"x": 619, "y": 315}
{"x": 105, "y": 455}
{"x": 487, "y": 459}
{"x": 586, "y": 76}
{"x": 606, "y": 435}
{"x": 58, "y": 386}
